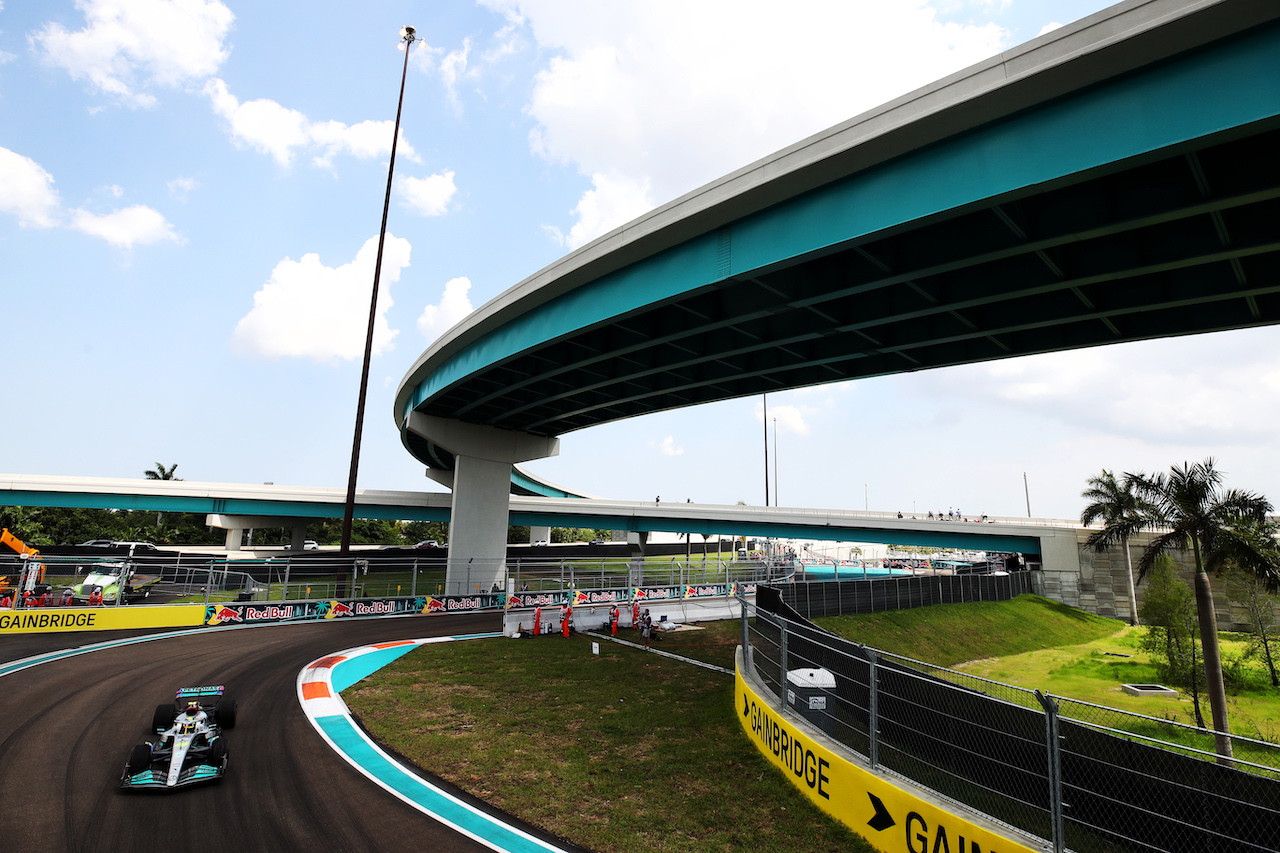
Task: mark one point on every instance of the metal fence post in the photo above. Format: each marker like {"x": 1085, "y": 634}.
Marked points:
{"x": 1054, "y": 767}
{"x": 746, "y": 630}
{"x": 782, "y": 674}
{"x": 413, "y": 584}
{"x": 873, "y": 710}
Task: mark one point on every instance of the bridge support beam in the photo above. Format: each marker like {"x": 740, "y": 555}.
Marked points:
{"x": 236, "y": 525}
{"x": 481, "y": 508}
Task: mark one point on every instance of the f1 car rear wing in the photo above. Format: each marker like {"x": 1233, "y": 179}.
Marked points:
{"x": 198, "y": 693}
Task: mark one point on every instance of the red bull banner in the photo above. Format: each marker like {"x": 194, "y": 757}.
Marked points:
{"x": 536, "y": 599}
{"x": 295, "y": 611}
{"x": 625, "y": 595}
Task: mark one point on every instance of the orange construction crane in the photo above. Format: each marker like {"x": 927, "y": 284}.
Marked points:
{"x": 27, "y": 553}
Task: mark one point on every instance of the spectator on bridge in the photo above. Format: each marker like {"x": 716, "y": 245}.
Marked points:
{"x": 931, "y": 515}
{"x": 66, "y": 598}
{"x": 899, "y": 515}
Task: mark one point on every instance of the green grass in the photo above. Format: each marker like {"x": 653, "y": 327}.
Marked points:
{"x": 620, "y": 751}
{"x": 628, "y": 750}
{"x": 948, "y": 634}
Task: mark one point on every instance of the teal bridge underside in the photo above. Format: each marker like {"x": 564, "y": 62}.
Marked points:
{"x": 1141, "y": 206}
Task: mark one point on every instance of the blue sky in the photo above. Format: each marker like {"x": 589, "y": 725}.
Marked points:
{"x": 190, "y": 191}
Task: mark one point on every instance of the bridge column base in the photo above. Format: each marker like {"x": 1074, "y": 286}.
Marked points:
{"x": 481, "y": 508}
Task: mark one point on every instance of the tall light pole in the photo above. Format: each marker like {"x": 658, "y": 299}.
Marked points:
{"x": 765, "y": 419}
{"x": 408, "y": 35}
{"x": 777, "y": 490}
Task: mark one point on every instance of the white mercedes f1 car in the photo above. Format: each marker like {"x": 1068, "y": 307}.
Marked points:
{"x": 191, "y": 747}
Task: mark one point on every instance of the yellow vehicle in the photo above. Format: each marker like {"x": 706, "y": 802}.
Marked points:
{"x": 32, "y": 571}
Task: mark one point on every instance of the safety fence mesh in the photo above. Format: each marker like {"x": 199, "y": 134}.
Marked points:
{"x": 1076, "y": 776}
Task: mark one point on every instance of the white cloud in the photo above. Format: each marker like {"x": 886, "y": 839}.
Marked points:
{"x": 267, "y": 127}
{"x": 127, "y": 45}
{"x": 613, "y": 200}
{"x": 26, "y": 190}
{"x": 428, "y": 196}
{"x": 310, "y": 310}
{"x": 133, "y": 225}
{"x": 454, "y": 305}
{"x": 789, "y": 419}
{"x": 1221, "y": 389}
{"x": 668, "y": 447}
{"x": 179, "y": 188}
{"x": 1049, "y": 27}
{"x": 667, "y": 95}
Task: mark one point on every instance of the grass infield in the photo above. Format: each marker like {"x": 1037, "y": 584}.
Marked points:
{"x": 620, "y": 751}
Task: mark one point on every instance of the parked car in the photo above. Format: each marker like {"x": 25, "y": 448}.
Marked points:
{"x": 540, "y": 543}
{"x": 427, "y": 543}
{"x": 597, "y": 541}
{"x": 310, "y": 545}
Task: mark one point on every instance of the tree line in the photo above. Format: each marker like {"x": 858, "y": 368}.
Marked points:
{"x": 1189, "y": 510}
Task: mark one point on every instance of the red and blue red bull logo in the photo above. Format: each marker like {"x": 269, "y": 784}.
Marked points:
{"x": 223, "y": 615}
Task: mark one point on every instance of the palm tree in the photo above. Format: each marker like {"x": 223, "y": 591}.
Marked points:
{"x": 1113, "y": 502}
{"x": 1221, "y": 528}
{"x": 162, "y": 473}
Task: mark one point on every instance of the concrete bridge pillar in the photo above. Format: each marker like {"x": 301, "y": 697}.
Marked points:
{"x": 481, "y": 484}
{"x": 636, "y": 542}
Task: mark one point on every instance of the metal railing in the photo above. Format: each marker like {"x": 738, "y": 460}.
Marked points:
{"x": 1075, "y": 776}
{"x": 836, "y": 598}
{"x": 199, "y": 577}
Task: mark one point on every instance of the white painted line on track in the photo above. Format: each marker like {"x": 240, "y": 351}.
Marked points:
{"x": 328, "y": 713}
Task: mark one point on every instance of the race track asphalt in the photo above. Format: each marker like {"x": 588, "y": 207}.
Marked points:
{"x": 66, "y": 728}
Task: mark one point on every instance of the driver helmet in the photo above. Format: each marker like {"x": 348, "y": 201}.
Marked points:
{"x": 193, "y": 708}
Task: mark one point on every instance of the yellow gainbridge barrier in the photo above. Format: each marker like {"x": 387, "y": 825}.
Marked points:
{"x": 893, "y": 818}
{"x": 48, "y": 619}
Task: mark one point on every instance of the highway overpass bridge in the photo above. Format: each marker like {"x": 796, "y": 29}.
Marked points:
{"x": 1115, "y": 180}
{"x": 238, "y": 506}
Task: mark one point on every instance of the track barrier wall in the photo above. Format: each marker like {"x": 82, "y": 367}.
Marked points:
{"x": 52, "y": 619}
{"x": 893, "y": 817}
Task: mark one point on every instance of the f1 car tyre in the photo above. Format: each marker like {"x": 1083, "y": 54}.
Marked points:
{"x": 139, "y": 759}
{"x": 218, "y": 751}
{"x": 225, "y": 713}
{"x": 164, "y": 717}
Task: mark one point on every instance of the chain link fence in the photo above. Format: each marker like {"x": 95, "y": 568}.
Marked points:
{"x": 1072, "y": 775}
{"x": 193, "y": 577}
